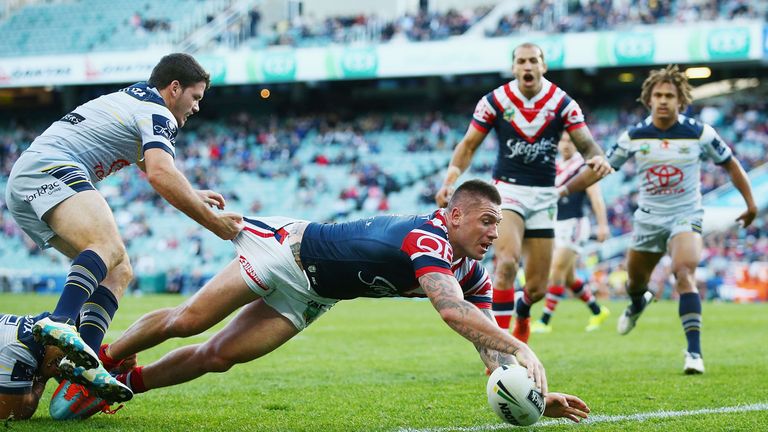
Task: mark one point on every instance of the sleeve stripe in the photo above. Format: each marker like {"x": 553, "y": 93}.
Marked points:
{"x": 479, "y": 126}
{"x": 432, "y": 269}
{"x": 160, "y": 145}
{"x": 576, "y": 126}
{"x": 725, "y": 161}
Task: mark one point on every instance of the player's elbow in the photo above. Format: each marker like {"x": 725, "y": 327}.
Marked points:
{"x": 158, "y": 177}
{"x": 451, "y": 316}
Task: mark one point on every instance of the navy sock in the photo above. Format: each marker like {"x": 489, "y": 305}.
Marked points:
{"x": 638, "y": 302}
{"x": 690, "y": 316}
{"x": 86, "y": 273}
{"x": 96, "y": 316}
{"x": 523, "y": 306}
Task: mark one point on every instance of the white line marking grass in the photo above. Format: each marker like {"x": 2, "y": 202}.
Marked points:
{"x": 639, "y": 417}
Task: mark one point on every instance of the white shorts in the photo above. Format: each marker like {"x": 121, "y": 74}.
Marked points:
{"x": 651, "y": 232}
{"x": 572, "y": 233}
{"x": 268, "y": 267}
{"x": 38, "y": 183}
{"x": 537, "y": 206}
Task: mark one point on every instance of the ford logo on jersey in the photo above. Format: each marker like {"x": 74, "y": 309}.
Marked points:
{"x": 164, "y": 127}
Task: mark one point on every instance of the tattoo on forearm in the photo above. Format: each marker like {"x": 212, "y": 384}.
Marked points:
{"x": 445, "y": 293}
{"x": 584, "y": 142}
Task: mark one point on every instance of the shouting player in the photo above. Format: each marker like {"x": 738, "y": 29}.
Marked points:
{"x": 529, "y": 114}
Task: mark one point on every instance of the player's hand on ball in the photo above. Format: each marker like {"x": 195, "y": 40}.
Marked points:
{"x": 599, "y": 165}
{"x": 564, "y": 405}
{"x": 526, "y": 357}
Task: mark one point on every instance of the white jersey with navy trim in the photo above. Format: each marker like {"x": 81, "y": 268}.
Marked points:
{"x": 112, "y": 131}
{"x": 20, "y": 355}
{"x": 669, "y": 162}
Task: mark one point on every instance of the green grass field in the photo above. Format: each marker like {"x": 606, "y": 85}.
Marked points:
{"x": 392, "y": 365}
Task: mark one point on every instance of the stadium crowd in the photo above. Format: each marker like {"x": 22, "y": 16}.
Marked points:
{"x": 540, "y": 15}
{"x": 301, "y": 151}
{"x": 575, "y": 16}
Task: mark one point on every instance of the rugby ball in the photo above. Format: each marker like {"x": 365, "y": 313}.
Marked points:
{"x": 513, "y": 396}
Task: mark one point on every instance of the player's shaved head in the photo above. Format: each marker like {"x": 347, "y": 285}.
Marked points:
{"x": 528, "y": 45}
{"x": 472, "y": 193}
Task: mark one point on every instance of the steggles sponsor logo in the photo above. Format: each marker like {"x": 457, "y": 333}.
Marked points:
{"x": 529, "y": 152}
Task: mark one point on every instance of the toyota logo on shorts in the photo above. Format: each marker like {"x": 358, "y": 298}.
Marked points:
{"x": 664, "y": 176}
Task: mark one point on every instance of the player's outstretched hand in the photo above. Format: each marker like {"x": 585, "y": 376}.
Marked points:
{"x": 746, "y": 218}
{"x": 443, "y": 196}
{"x": 213, "y": 199}
{"x": 526, "y": 357}
{"x": 599, "y": 165}
{"x": 230, "y": 224}
{"x": 565, "y": 405}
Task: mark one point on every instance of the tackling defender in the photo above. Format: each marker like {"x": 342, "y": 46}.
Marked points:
{"x": 289, "y": 272}
{"x": 572, "y": 231}
{"x": 529, "y": 115}
{"x": 51, "y": 196}
{"x": 26, "y": 366}
{"x": 668, "y": 148}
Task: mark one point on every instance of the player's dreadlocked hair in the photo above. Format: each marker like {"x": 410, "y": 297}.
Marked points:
{"x": 670, "y": 74}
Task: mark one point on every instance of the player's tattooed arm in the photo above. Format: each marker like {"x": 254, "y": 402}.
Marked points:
{"x": 493, "y": 358}
{"x": 467, "y": 320}
{"x": 593, "y": 154}
{"x": 464, "y": 317}
{"x": 585, "y": 143}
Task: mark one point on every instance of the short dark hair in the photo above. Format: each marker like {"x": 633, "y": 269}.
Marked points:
{"x": 472, "y": 191}
{"x": 181, "y": 67}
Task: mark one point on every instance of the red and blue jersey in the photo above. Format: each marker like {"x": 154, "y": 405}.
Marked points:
{"x": 528, "y": 130}
{"x": 384, "y": 256}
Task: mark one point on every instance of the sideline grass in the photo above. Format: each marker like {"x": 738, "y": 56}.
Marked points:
{"x": 385, "y": 365}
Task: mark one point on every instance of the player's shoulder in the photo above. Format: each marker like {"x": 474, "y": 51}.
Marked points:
{"x": 641, "y": 129}
{"x": 143, "y": 92}
{"x": 691, "y": 127}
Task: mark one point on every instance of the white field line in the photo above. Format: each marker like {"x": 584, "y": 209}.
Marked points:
{"x": 639, "y": 417}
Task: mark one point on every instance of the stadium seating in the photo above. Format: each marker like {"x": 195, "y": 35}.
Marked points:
{"x": 103, "y": 25}
{"x": 330, "y": 173}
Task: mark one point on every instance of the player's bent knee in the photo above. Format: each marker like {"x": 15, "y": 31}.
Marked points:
{"x": 506, "y": 268}
{"x": 213, "y": 360}
{"x": 536, "y": 291}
